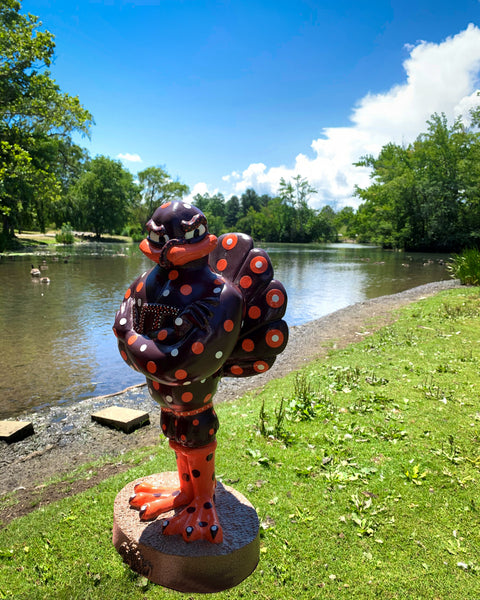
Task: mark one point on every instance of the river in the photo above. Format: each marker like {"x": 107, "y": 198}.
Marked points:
{"x": 57, "y": 342}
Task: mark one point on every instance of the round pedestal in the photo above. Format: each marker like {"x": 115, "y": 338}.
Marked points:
{"x": 197, "y": 566}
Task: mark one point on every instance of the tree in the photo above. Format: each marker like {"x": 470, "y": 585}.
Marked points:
{"x": 33, "y": 114}
{"x": 295, "y": 195}
{"x": 106, "y": 194}
{"x": 232, "y": 212}
{"x": 158, "y": 187}
{"x": 424, "y": 196}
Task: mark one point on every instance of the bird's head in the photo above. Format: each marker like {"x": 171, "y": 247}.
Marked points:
{"x": 177, "y": 235}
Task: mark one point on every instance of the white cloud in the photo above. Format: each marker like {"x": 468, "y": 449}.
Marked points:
{"x": 130, "y": 157}
{"x": 439, "y": 78}
{"x": 200, "y": 188}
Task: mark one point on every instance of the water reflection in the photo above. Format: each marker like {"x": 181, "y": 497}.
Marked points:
{"x": 57, "y": 342}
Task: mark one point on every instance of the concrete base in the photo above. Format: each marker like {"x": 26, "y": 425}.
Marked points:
{"x": 194, "y": 567}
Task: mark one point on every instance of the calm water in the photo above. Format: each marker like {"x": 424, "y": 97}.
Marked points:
{"x": 57, "y": 342}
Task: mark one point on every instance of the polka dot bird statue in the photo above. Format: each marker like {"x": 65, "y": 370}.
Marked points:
{"x": 208, "y": 309}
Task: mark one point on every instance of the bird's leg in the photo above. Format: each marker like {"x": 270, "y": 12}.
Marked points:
{"x": 152, "y": 500}
{"x": 199, "y": 520}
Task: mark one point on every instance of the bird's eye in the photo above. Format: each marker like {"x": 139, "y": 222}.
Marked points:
{"x": 154, "y": 237}
{"x": 195, "y": 233}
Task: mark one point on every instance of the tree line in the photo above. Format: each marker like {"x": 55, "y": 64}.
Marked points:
{"x": 423, "y": 196}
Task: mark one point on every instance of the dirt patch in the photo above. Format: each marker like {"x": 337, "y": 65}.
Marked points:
{"x": 65, "y": 437}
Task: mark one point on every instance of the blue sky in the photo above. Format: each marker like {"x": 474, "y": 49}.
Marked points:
{"x": 231, "y": 94}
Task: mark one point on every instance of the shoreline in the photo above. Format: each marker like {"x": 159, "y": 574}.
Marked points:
{"x": 65, "y": 436}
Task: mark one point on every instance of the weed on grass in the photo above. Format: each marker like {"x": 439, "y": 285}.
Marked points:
{"x": 363, "y": 468}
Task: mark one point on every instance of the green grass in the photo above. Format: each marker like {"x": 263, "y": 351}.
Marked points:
{"x": 363, "y": 468}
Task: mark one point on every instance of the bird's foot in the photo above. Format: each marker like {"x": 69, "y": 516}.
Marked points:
{"x": 153, "y": 501}
{"x": 198, "y": 521}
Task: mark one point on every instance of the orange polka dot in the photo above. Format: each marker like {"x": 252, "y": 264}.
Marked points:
{"x": 275, "y": 298}
{"x": 165, "y": 205}
{"x": 197, "y": 347}
{"x": 211, "y": 431}
{"x": 248, "y": 345}
{"x": 207, "y": 398}
{"x": 183, "y": 438}
{"x": 187, "y": 397}
{"x": 139, "y": 286}
{"x": 186, "y": 290}
{"x": 245, "y": 282}
{"x": 162, "y": 334}
{"x": 222, "y": 264}
{"x": 156, "y": 385}
{"x": 260, "y": 366}
{"x": 196, "y": 422}
{"x": 254, "y": 312}
{"x": 123, "y": 355}
{"x": 164, "y": 427}
{"x": 259, "y": 264}
{"x": 180, "y": 374}
{"x": 219, "y": 281}
{"x": 115, "y": 332}
{"x": 274, "y": 338}
{"x": 173, "y": 274}
{"x": 128, "y": 293}
{"x": 132, "y": 339}
{"x": 229, "y": 242}
{"x": 228, "y": 325}
{"x": 236, "y": 370}
{"x": 151, "y": 366}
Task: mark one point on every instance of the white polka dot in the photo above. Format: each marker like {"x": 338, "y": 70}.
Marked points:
{"x": 217, "y": 290}
{"x": 139, "y": 302}
{"x": 229, "y": 241}
{"x": 165, "y": 292}
{"x": 219, "y": 354}
{"x": 178, "y": 321}
{"x": 174, "y": 352}
{"x": 123, "y": 321}
{"x": 187, "y": 205}
{"x": 143, "y": 347}
{"x": 275, "y": 298}
{"x": 275, "y": 338}
{"x": 259, "y": 264}
{"x": 260, "y": 367}
{"x": 168, "y": 398}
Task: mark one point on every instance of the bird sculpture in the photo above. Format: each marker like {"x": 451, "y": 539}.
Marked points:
{"x": 209, "y": 308}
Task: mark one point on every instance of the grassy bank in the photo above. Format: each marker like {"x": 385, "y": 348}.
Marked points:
{"x": 364, "y": 470}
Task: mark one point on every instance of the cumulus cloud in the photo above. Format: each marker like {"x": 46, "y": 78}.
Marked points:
{"x": 439, "y": 78}
{"x": 202, "y": 189}
{"x": 130, "y": 157}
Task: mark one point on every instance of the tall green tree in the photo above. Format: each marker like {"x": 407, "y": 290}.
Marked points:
{"x": 158, "y": 187}
{"x": 295, "y": 195}
{"x": 33, "y": 113}
{"x": 424, "y": 196}
{"x": 106, "y": 194}
{"x": 232, "y": 211}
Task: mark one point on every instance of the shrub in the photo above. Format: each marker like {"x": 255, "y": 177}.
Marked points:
{"x": 66, "y": 235}
{"x": 466, "y": 266}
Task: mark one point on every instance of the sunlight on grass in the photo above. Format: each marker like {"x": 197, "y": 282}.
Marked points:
{"x": 363, "y": 468}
